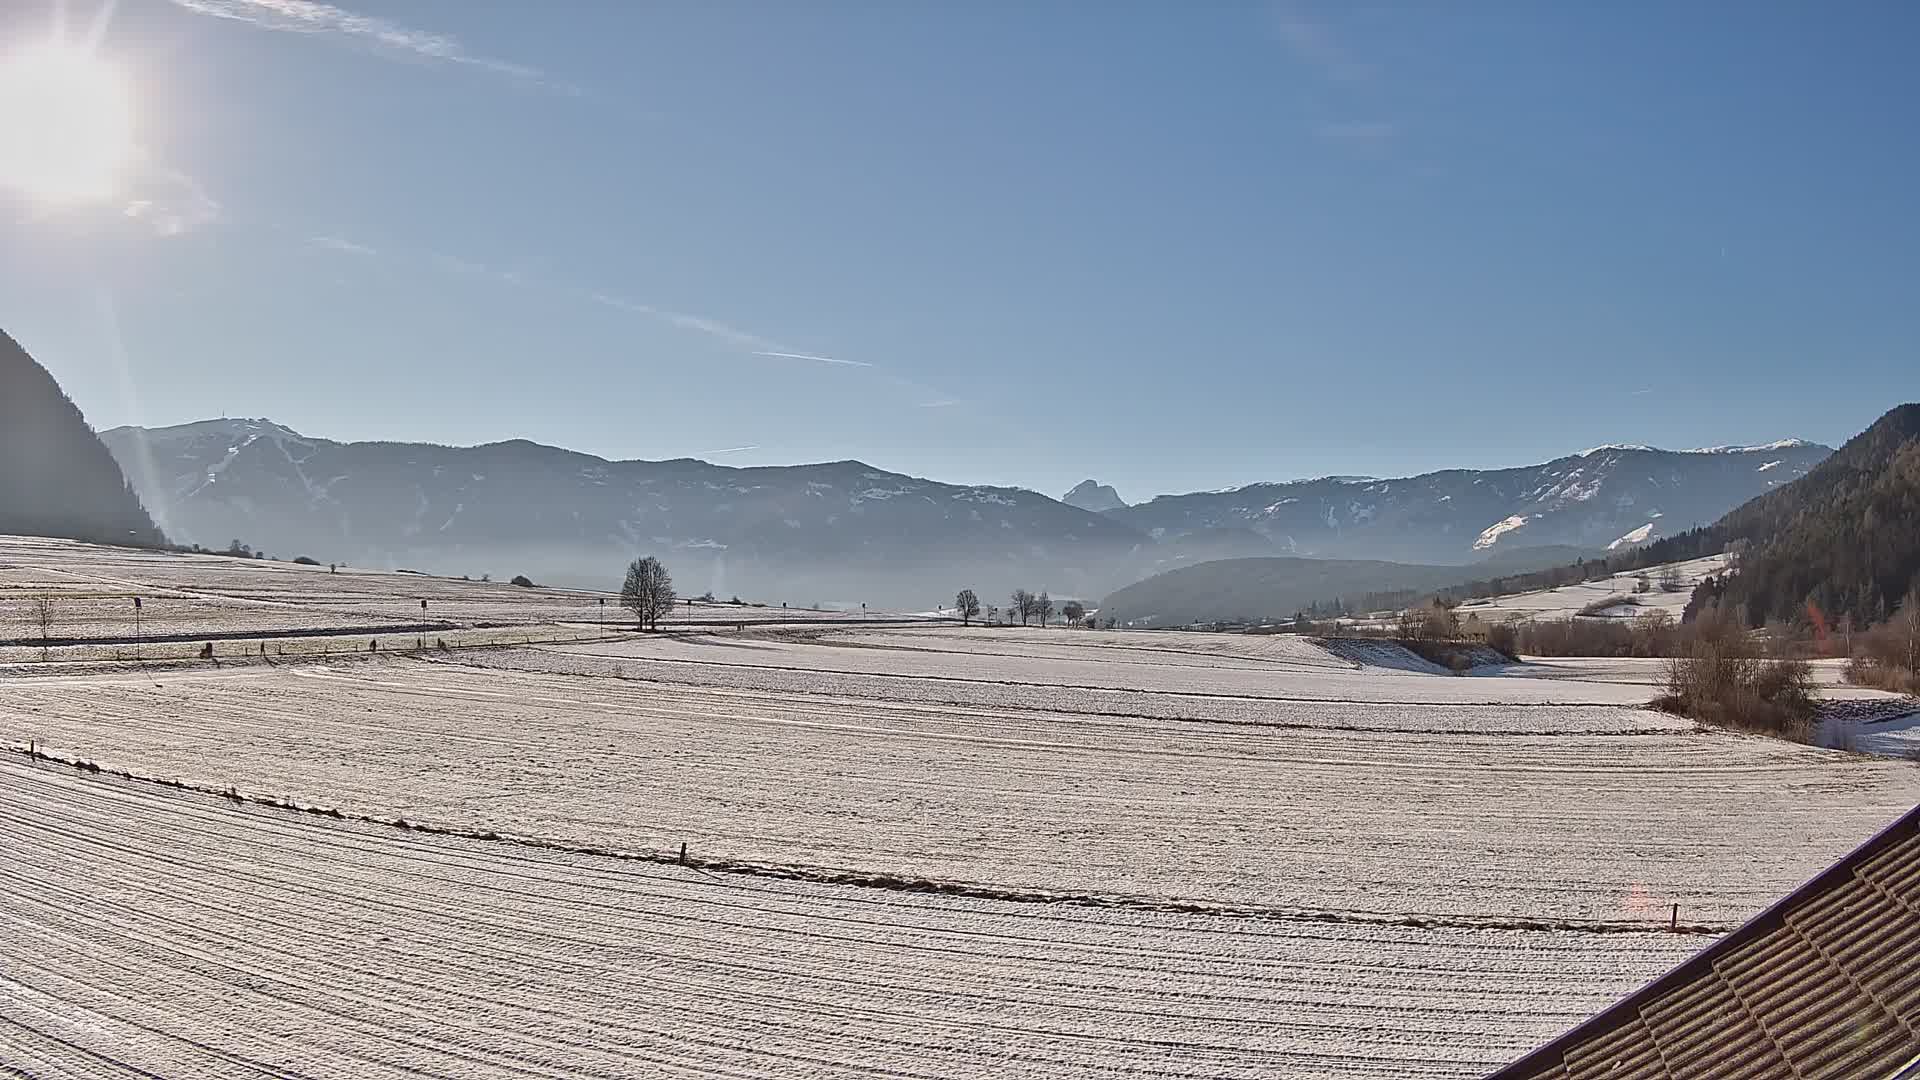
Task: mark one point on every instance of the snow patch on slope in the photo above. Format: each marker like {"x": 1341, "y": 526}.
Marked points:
{"x": 1491, "y": 534}
{"x": 1778, "y": 444}
{"x": 1637, "y": 536}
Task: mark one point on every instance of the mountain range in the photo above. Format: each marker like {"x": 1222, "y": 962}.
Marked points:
{"x": 837, "y": 532}
{"x": 849, "y": 532}
{"x": 1604, "y": 498}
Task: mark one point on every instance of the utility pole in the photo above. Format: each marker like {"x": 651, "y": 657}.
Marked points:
{"x": 136, "y": 629}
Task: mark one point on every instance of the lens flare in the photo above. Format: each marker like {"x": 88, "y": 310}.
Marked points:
{"x": 66, "y": 125}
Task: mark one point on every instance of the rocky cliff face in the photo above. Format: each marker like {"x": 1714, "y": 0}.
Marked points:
{"x": 1093, "y": 496}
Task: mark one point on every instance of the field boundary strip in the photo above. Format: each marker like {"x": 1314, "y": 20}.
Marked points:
{"x": 1216, "y": 695}
{"x": 1278, "y": 725}
{"x": 822, "y": 875}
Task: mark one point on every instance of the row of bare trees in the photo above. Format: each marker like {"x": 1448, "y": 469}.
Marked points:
{"x": 1023, "y": 605}
{"x": 1888, "y": 655}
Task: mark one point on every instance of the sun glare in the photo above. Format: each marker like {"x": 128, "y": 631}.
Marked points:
{"x": 66, "y": 126}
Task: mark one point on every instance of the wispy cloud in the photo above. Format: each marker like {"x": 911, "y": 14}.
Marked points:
{"x": 718, "y": 330}
{"x": 804, "y": 356}
{"x": 940, "y": 403}
{"x": 1314, "y": 44}
{"x": 730, "y": 335}
{"x": 728, "y": 450}
{"x": 314, "y": 17}
{"x": 167, "y": 200}
{"x": 710, "y": 327}
{"x": 458, "y": 265}
{"x": 336, "y": 243}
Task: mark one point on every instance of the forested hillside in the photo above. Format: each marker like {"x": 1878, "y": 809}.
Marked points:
{"x": 1845, "y": 538}
{"x": 1249, "y": 590}
{"x": 56, "y": 478}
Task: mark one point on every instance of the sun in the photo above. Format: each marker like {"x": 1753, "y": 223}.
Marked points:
{"x": 66, "y": 125}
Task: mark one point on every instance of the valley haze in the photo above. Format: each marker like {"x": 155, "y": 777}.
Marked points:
{"x": 848, "y": 533}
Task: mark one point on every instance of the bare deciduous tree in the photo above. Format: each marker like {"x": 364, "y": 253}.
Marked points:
{"x": 1903, "y": 629}
{"x": 1043, "y": 607}
{"x": 40, "y": 620}
{"x": 647, "y": 592}
{"x": 967, "y": 604}
{"x": 1021, "y": 604}
{"x": 1670, "y": 580}
{"x": 1075, "y": 611}
{"x": 1433, "y": 621}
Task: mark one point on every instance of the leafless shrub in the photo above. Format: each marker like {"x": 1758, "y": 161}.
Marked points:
{"x": 1863, "y": 671}
{"x": 1720, "y": 678}
{"x": 1888, "y": 655}
{"x": 1573, "y": 637}
{"x": 1504, "y": 638}
{"x": 1432, "y": 621}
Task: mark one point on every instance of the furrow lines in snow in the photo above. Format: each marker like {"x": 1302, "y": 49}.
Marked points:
{"x": 184, "y": 935}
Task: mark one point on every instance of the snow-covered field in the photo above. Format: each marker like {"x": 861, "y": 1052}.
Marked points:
{"x": 218, "y": 597}
{"x": 1566, "y": 813}
{"x": 917, "y": 850}
{"x": 1123, "y": 663}
{"x": 1569, "y": 600}
{"x": 154, "y": 933}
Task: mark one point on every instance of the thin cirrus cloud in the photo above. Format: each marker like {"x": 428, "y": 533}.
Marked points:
{"x": 710, "y": 327}
{"x": 713, "y": 328}
{"x": 804, "y": 356}
{"x": 1311, "y": 42}
{"x": 167, "y": 200}
{"x": 336, "y": 243}
{"x": 314, "y": 17}
{"x": 1348, "y": 82}
{"x": 728, "y": 450}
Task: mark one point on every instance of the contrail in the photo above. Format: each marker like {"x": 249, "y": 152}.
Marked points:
{"x": 821, "y": 359}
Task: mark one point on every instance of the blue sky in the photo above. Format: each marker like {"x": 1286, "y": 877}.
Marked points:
{"x": 1171, "y": 246}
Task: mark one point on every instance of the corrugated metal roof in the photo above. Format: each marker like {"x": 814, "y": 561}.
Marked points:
{"x": 1825, "y": 983}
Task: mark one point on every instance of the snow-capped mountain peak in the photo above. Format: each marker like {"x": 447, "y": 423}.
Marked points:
{"x": 1761, "y": 448}
{"x": 1614, "y": 495}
